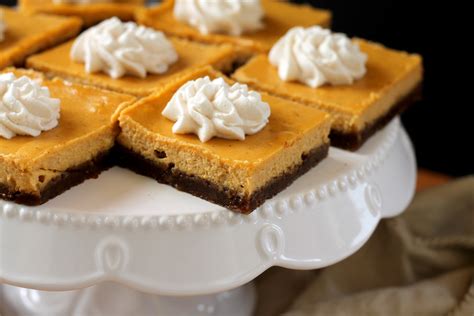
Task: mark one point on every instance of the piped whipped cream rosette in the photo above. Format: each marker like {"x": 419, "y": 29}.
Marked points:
{"x": 3, "y": 26}
{"x": 233, "y": 17}
{"x": 316, "y": 56}
{"x": 120, "y": 49}
{"x": 213, "y": 108}
{"x": 26, "y": 107}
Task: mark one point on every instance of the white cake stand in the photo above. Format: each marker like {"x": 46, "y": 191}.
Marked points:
{"x": 111, "y": 240}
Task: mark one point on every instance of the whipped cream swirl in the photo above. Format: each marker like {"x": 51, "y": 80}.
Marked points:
{"x": 3, "y": 27}
{"x": 120, "y": 49}
{"x": 232, "y": 17}
{"x": 315, "y": 56}
{"x": 214, "y": 108}
{"x": 26, "y": 108}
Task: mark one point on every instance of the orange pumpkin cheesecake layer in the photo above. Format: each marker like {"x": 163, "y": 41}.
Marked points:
{"x": 56, "y": 62}
{"x": 239, "y": 175}
{"x": 35, "y": 169}
{"x": 280, "y": 16}
{"x": 90, "y": 13}
{"x": 359, "y": 109}
{"x": 27, "y": 34}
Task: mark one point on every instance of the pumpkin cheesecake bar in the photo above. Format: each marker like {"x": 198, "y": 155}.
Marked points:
{"x": 41, "y": 158}
{"x": 360, "y": 106}
{"x": 91, "y": 12}
{"x": 26, "y": 34}
{"x": 190, "y": 55}
{"x": 239, "y": 174}
{"x": 277, "y": 17}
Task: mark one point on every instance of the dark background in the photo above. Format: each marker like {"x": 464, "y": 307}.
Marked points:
{"x": 441, "y": 125}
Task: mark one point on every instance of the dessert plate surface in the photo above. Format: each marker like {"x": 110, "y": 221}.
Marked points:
{"x": 126, "y": 228}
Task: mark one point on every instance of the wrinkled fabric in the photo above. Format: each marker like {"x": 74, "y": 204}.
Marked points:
{"x": 420, "y": 263}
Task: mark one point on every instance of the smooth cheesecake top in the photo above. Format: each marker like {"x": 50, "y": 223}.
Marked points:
{"x": 386, "y": 70}
{"x": 279, "y": 17}
{"x": 24, "y": 30}
{"x": 90, "y": 13}
{"x": 191, "y": 55}
{"x": 289, "y": 122}
{"x": 26, "y": 3}
{"x": 84, "y": 110}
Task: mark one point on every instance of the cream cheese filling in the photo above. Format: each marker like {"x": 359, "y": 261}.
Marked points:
{"x": 32, "y": 174}
{"x": 244, "y": 177}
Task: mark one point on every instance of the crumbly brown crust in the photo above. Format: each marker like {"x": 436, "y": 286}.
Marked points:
{"x": 353, "y": 141}
{"x": 213, "y": 192}
{"x": 69, "y": 178}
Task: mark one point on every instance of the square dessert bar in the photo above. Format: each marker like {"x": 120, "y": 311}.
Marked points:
{"x": 27, "y": 34}
{"x": 56, "y": 62}
{"x": 391, "y": 83}
{"x": 239, "y": 175}
{"x": 36, "y": 169}
{"x": 279, "y": 17}
{"x": 90, "y": 13}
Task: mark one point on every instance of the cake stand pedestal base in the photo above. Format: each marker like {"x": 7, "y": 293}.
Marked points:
{"x": 114, "y": 299}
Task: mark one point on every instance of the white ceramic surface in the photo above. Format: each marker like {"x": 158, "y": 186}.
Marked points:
{"x": 106, "y": 299}
{"x": 128, "y": 229}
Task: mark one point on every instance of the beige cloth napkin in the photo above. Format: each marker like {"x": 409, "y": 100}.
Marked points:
{"x": 420, "y": 263}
